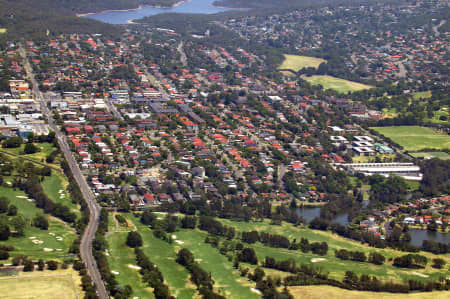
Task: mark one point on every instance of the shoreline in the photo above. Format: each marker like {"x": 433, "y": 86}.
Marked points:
{"x": 130, "y": 9}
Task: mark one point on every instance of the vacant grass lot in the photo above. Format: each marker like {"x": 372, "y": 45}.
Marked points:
{"x": 297, "y": 62}
{"x": 64, "y": 284}
{"x": 319, "y": 292}
{"x": 415, "y": 138}
{"x": 340, "y": 85}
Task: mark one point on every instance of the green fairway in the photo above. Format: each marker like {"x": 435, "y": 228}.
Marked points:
{"x": 440, "y": 155}
{"x": 120, "y": 257}
{"x": 297, "y": 62}
{"x": 415, "y": 138}
{"x": 45, "y": 148}
{"x": 55, "y": 187}
{"x": 340, "y": 85}
{"x": 52, "y": 243}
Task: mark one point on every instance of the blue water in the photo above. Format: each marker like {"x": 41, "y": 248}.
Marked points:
{"x": 190, "y": 6}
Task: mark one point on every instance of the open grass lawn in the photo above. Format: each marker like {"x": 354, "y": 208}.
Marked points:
{"x": 297, "y": 62}
{"x": 57, "y": 230}
{"x": 368, "y": 159}
{"x": 61, "y": 284}
{"x": 45, "y": 148}
{"x": 422, "y": 94}
{"x": 324, "y": 291}
{"x": 440, "y": 155}
{"x": 340, "y": 85}
{"x": 415, "y": 138}
{"x": 336, "y": 267}
{"x": 119, "y": 258}
{"x": 437, "y": 115}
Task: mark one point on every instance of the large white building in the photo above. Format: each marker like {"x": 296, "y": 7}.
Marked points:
{"x": 408, "y": 171}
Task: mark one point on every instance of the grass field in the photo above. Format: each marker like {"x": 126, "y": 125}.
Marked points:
{"x": 440, "y": 155}
{"x": 64, "y": 284}
{"x": 44, "y": 149}
{"x": 57, "y": 230}
{"x": 297, "y": 62}
{"x": 319, "y": 292}
{"x": 415, "y": 138}
{"x": 340, "y": 85}
{"x": 422, "y": 94}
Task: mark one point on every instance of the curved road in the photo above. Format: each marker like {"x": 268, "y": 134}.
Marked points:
{"x": 91, "y": 228}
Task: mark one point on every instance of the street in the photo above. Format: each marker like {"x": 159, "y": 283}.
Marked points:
{"x": 91, "y": 228}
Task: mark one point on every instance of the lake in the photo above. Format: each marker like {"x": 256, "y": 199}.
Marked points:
{"x": 418, "y": 235}
{"x": 309, "y": 214}
{"x": 191, "y": 6}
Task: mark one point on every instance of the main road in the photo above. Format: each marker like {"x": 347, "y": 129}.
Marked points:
{"x": 91, "y": 228}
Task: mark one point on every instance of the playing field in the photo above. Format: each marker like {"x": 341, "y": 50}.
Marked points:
{"x": 297, "y": 62}
{"x": 318, "y": 292}
{"x": 44, "y": 286}
{"x": 340, "y": 85}
{"x": 415, "y": 138}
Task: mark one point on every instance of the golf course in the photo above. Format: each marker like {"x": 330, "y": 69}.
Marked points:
{"x": 228, "y": 281}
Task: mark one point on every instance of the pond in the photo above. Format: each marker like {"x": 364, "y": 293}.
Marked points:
{"x": 125, "y": 16}
{"x": 419, "y": 235}
{"x": 309, "y": 214}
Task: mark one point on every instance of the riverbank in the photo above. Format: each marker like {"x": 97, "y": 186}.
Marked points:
{"x": 131, "y": 9}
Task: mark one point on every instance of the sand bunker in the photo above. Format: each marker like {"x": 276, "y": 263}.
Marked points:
{"x": 21, "y": 196}
{"x": 174, "y": 237}
{"x": 59, "y": 238}
{"x": 179, "y": 242}
{"x": 48, "y": 249}
{"x": 115, "y": 272}
{"x": 256, "y": 291}
{"x": 134, "y": 267}
{"x": 420, "y": 274}
{"x": 318, "y": 259}
{"x": 37, "y": 242}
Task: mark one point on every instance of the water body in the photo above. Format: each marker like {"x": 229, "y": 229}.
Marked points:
{"x": 190, "y": 6}
{"x": 419, "y": 235}
{"x": 309, "y": 214}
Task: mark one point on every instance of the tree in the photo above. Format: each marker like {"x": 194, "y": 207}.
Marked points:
{"x": 12, "y": 210}
{"x": 134, "y": 239}
{"x": 4, "y": 255}
{"x": 30, "y": 148}
{"x": 248, "y": 255}
{"x": 185, "y": 257}
{"x": 4, "y": 203}
{"x": 41, "y": 265}
{"x": 376, "y": 258}
{"x": 12, "y": 142}
{"x": 40, "y": 221}
{"x": 19, "y": 225}
{"x": 4, "y": 231}
{"x": 52, "y": 265}
{"x": 438, "y": 263}
{"x": 258, "y": 274}
{"x": 28, "y": 266}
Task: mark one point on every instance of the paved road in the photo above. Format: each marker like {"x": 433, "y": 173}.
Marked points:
{"x": 113, "y": 109}
{"x": 89, "y": 233}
